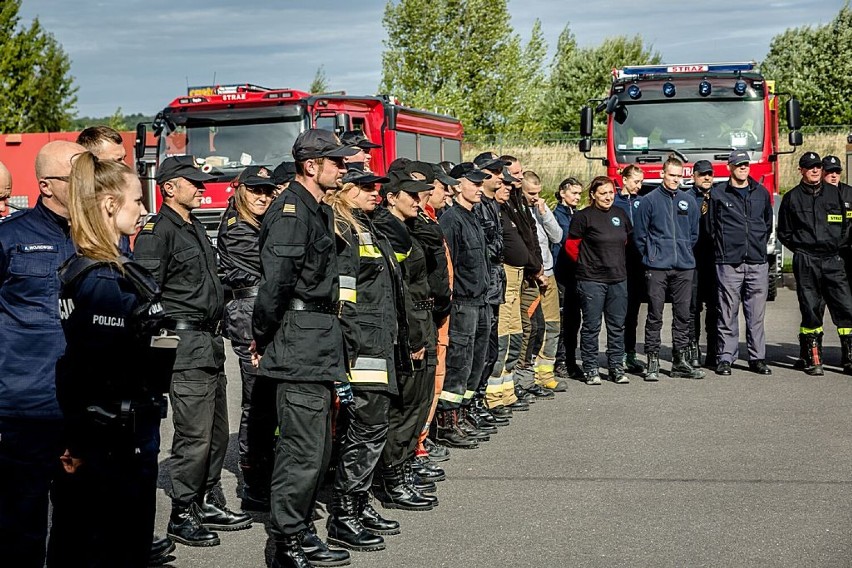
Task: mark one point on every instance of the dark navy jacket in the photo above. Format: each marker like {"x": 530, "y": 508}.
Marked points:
{"x": 666, "y": 229}
{"x": 563, "y": 266}
{"x": 33, "y": 245}
{"x": 629, "y": 203}
{"x": 739, "y": 227}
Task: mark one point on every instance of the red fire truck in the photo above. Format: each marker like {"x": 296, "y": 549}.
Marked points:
{"x": 229, "y": 127}
{"x": 696, "y": 112}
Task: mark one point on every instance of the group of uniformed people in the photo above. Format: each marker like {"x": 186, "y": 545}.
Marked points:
{"x": 377, "y": 320}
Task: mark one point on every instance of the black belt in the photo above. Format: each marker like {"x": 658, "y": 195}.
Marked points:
{"x": 242, "y": 293}
{"x": 192, "y": 325}
{"x": 331, "y": 308}
{"x": 425, "y": 305}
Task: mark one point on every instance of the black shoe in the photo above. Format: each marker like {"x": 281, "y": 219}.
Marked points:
{"x": 723, "y": 368}
{"x": 426, "y": 469}
{"x": 540, "y": 392}
{"x": 561, "y": 371}
{"x": 319, "y": 554}
{"x": 215, "y": 515}
{"x": 289, "y": 553}
{"x": 160, "y": 550}
{"x": 501, "y": 413}
{"x": 254, "y": 501}
{"x": 682, "y": 367}
{"x": 523, "y": 395}
{"x": 437, "y": 452}
{"x": 372, "y": 520}
{"x": 519, "y": 406}
{"x": 345, "y": 528}
{"x": 449, "y": 432}
{"x": 760, "y": 367}
{"x": 393, "y": 492}
{"x": 474, "y": 419}
{"x": 185, "y": 527}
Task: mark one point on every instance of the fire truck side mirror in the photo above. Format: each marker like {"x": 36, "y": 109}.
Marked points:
{"x": 585, "y": 145}
{"x": 341, "y": 123}
{"x": 586, "y": 121}
{"x": 794, "y": 115}
{"x": 795, "y": 138}
{"x": 141, "y": 135}
{"x": 612, "y": 104}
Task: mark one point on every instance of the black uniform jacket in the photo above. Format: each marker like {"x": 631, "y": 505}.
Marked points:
{"x": 298, "y": 260}
{"x": 739, "y": 227}
{"x": 431, "y": 237}
{"x": 466, "y": 241}
{"x": 182, "y": 260}
{"x": 813, "y": 220}
{"x": 369, "y": 277}
{"x": 488, "y": 213}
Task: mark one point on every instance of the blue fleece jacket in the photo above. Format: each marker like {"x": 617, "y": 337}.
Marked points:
{"x": 666, "y": 229}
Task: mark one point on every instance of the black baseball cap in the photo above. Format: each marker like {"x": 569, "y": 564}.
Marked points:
{"x": 359, "y": 139}
{"x": 509, "y": 178}
{"x": 489, "y": 161}
{"x": 356, "y": 174}
{"x": 703, "y": 167}
{"x": 442, "y": 176}
{"x": 399, "y": 164}
{"x": 809, "y": 160}
{"x": 400, "y": 181}
{"x": 255, "y": 176}
{"x": 469, "y": 171}
{"x": 420, "y": 170}
{"x": 284, "y": 172}
{"x": 319, "y": 143}
{"x": 181, "y": 167}
{"x": 831, "y": 164}
{"x": 738, "y": 157}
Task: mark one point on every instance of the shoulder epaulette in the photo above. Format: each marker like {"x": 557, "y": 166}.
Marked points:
{"x": 150, "y": 224}
{"x": 289, "y": 207}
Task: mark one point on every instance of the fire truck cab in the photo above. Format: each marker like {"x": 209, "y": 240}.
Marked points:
{"x": 229, "y": 127}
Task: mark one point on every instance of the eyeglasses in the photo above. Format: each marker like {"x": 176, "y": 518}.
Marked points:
{"x": 265, "y": 190}
{"x": 60, "y": 178}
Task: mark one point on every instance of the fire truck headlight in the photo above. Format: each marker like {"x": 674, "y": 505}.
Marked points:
{"x": 704, "y": 88}
{"x": 740, "y": 88}
{"x": 634, "y": 92}
{"x": 668, "y": 89}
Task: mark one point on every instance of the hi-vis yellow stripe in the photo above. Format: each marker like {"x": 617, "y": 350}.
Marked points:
{"x": 468, "y": 394}
{"x": 451, "y": 397}
{"x": 400, "y": 256}
{"x": 369, "y": 370}
{"x": 835, "y": 218}
{"x": 809, "y": 331}
{"x": 369, "y": 251}
{"x": 348, "y": 286}
{"x": 849, "y": 214}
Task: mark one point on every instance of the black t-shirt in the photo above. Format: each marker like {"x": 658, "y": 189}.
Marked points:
{"x": 604, "y": 235}
{"x": 515, "y": 251}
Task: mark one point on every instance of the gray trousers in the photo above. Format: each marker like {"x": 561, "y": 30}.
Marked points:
{"x": 748, "y": 283}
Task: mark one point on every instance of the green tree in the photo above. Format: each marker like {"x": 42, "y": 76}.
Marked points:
{"x": 462, "y": 57}
{"x": 815, "y": 65}
{"x": 579, "y": 74}
{"x": 38, "y": 91}
{"x": 118, "y": 121}
{"x": 320, "y": 82}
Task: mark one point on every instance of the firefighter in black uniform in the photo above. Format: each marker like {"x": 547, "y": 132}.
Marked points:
{"x": 370, "y": 291}
{"x": 812, "y": 223}
{"x": 174, "y": 247}
{"x": 111, "y": 380}
{"x": 831, "y": 173}
{"x": 299, "y": 342}
{"x": 239, "y": 268}
{"x": 704, "y": 287}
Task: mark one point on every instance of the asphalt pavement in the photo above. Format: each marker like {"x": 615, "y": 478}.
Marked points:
{"x": 733, "y": 471}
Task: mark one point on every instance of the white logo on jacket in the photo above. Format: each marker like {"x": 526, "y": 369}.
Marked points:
{"x": 683, "y": 205}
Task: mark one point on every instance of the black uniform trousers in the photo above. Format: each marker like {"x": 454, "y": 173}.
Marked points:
{"x": 821, "y": 281}
{"x": 493, "y": 349}
{"x": 470, "y": 327}
{"x": 636, "y": 294}
{"x": 571, "y": 319}
{"x": 302, "y": 455}
{"x": 678, "y": 284}
{"x": 200, "y": 414}
{"x": 409, "y": 410}
{"x": 119, "y": 471}
{"x": 705, "y": 293}
{"x": 364, "y": 424}
{"x": 29, "y": 461}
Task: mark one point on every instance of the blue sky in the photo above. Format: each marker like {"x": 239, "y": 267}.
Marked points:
{"x": 140, "y": 54}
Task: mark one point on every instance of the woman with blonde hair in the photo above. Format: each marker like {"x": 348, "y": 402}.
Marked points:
{"x": 111, "y": 380}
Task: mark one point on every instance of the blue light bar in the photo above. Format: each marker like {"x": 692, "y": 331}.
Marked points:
{"x": 688, "y": 68}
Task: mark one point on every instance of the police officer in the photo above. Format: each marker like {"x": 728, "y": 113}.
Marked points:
{"x": 831, "y": 173}
{"x": 666, "y": 229}
{"x": 111, "y": 315}
{"x": 812, "y": 223}
{"x": 299, "y": 342}
{"x": 33, "y": 244}
{"x": 704, "y": 284}
{"x": 239, "y": 267}
{"x": 174, "y": 247}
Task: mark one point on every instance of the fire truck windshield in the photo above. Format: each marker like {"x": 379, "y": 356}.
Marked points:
{"x": 704, "y": 125}
{"x": 229, "y": 146}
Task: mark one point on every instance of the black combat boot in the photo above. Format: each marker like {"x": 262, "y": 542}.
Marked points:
{"x": 215, "y": 515}
{"x": 185, "y": 527}
{"x": 372, "y": 520}
{"x": 428, "y": 470}
{"x": 811, "y": 345}
{"x": 468, "y": 428}
{"x": 482, "y": 411}
{"x": 474, "y": 419}
{"x": 449, "y": 433}
{"x": 394, "y": 493}
{"x": 437, "y": 452}
{"x": 256, "y": 486}
{"x": 653, "y": 373}
{"x": 318, "y": 553}
{"x": 160, "y": 550}
{"x": 417, "y": 485}
{"x": 846, "y": 350}
{"x": 681, "y": 367}
{"x": 345, "y": 528}
{"x": 800, "y": 363}
{"x": 694, "y": 354}
{"x": 633, "y": 365}
{"x": 289, "y": 553}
